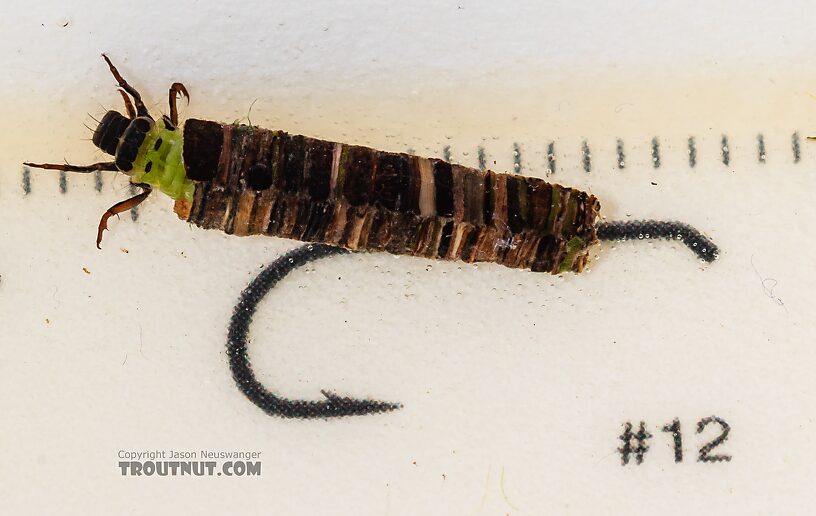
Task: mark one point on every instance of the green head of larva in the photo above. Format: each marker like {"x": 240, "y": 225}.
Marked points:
{"x": 149, "y": 152}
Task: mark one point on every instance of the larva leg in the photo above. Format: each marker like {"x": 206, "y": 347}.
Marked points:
{"x": 238, "y": 337}
{"x": 648, "y": 229}
{"x": 128, "y": 104}
{"x": 175, "y": 89}
{"x": 105, "y": 165}
{"x": 141, "y": 110}
{"x": 119, "y": 207}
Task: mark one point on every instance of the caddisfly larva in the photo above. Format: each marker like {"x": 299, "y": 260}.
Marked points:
{"x": 246, "y": 180}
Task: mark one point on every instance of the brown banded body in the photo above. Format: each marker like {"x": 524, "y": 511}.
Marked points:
{"x": 252, "y": 181}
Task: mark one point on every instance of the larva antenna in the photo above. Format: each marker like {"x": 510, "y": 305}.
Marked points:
{"x": 336, "y": 406}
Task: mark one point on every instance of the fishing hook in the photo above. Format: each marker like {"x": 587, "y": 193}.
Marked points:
{"x": 336, "y": 406}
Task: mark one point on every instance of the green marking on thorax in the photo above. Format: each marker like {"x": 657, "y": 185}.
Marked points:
{"x": 167, "y": 168}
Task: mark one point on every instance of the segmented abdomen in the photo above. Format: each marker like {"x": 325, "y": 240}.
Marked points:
{"x": 255, "y": 181}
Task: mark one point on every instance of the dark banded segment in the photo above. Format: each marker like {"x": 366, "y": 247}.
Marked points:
{"x": 392, "y": 181}
{"x": 360, "y": 198}
{"x": 443, "y": 182}
{"x": 294, "y": 154}
{"x": 445, "y": 239}
{"x": 545, "y": 254}
{"x": 358, "y": 168}
{"x": 410, "y": 198}
{"x": 317, "y": 168}
{"x": 518, "y": 203}
{"x": 259, "y": 176}
{"x": 469, "y": 246}
{"x": 203, "y": 141}
{"x": 474, "y": 196}
{"x": 276, "y": 155}
{"x": 252, "y": 156}
{"x": 489, "y": 196}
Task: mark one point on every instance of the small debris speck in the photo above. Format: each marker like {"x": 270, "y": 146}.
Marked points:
{"x": 85, "y": 270}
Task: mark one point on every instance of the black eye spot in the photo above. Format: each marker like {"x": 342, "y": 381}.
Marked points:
{"x": 259, "y": 177}
{"x": 148, "y": 166}
{"x": 157, "y": 144}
